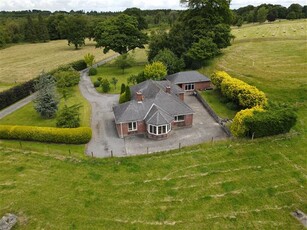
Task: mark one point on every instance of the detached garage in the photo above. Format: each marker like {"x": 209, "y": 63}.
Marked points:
{"x": 190, "y": 80}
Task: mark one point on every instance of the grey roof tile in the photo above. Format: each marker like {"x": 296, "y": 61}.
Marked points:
{"x": 187, "y": 77}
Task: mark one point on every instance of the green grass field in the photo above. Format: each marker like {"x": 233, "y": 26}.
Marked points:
{"x": 233, "y": 184}
{"x": 25, "y": 61}
{"x": 28, "y": 116}
{"x": 109, "y": 70}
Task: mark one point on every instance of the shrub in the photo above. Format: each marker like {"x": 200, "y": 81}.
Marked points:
{"x": 270, "y": 122}
{"x": 238, "y": 127}
{"x": 92, "y": 71}
{"x": 243, "y": 94}
{"x": 97, "y": 84}
{"x": 105, "y": 85}
{"x": 69, "y": 117}
{"x": 80, "y": 135}
{"x": 122, "y": 98}
{"x": 156, "y": 71}
{"x": 79, "y": 65}
{"x": 99, "y": 79}
{"x": 16, "y": 93}
{"x": 67, "y": 78}
{"x": 122, "y": 88}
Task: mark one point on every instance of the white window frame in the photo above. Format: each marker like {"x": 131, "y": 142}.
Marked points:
{"x": 158, "y": 129}
{"x": 134, "y": 126}
{"x": 189, "y": 86}
{"x": 179, "y": 120}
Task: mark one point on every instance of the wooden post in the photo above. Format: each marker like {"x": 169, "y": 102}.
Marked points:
{"x": 253, "y": 136}
{"x": 211, "y": 140}
{"x": 111, "y": 153}
{"x": 179, "y": 146}
{"x": 92, "y": 154}
{"x": 147, "y": 150}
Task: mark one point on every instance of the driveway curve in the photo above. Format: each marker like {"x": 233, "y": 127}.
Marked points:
{"x": 105, "y": 141}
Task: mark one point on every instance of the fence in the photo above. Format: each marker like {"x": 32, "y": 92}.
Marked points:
{"x": 212, "y": 113}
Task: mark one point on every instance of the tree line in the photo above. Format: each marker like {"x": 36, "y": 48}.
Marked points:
{"x": 270, "y": 12}
{"x": 41, "y": 26}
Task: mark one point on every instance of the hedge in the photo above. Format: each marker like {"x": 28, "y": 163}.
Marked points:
{"x": 80, "y": 135}
{"x": 16, "y": 93}
{"x": 243, "y": 94}
{"x": 257, "y": 122}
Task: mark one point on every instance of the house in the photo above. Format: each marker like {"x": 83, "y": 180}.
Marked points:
{"x": 156, "y": 108}
{"x": 190, "y": 80}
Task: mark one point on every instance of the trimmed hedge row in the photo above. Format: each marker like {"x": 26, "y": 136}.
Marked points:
{"x": 16, "y": 93}
{"x": 238, "y": 91}
{"x": 80, "y": 135}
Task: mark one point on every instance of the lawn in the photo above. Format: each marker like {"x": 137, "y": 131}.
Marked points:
{"x": 233, "y": 184}
{"x": 28, "y": 116}
{"x": 109, "y": 70}
{"x": 216, "y": 102}
{"x": 22, "y": 62}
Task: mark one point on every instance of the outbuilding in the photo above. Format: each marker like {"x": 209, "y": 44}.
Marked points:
{"x": 190, "y": 80}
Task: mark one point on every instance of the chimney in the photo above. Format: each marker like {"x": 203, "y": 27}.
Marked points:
{"x": 168, "y": 89}
{"x": 139, "y": 97}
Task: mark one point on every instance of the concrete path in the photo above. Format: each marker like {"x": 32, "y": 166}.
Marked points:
{"x": 17, "y": 105}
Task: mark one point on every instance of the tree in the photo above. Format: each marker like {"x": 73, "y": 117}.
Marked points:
{"x": 170, "y": 60}
{"x": 42, "y": 31}
{"x": 262, "y": 14}
{"x": 201, "y": 51}
{"x": 122, "y": 88}
{"x": 46, "y": 103}
{"x": 127, "y": 94}
{"x": 119, "y": 34}
{"x": 291, "y": 15}
{"x": 114, "y": 81}
{"x": 137, "y": 13}
{"x": 76, "y": 30}
{"x": 124, "y": 61}
{"x": 30, "y": 31}
{"x": 69, "y": 117}
{"x": 105, "y": 85}
{"x": 156, "y": 71}
{"x": 89, "y": 59}
{"x": 297, "y": 9}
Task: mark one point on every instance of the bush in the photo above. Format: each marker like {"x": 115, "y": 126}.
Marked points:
{"x": 99, "y": 79}
{"x": 243, "y": 94}
{"x": 69, "y": 117}
{"x": 260, "y": 123}
{"x": 97, "y": 84}
{"x": 67, "y": 78}
{"x": 92, "y": 71}
{"x": 79, "y": 65}
{"x": 122, "y": 98}
{"x": 16, "y": 93}
{"x": 270, "y": 122}
{"x": 238, "y": 128}
{"x": 80, "y": 135}
{"x": 105, "y": 85}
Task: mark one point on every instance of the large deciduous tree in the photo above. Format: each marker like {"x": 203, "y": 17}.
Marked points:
{"x": 137, "y": 13}
{"x": 262, "y": 14}
{"x": 170, "y": 60}
{"x": 76, "y": 30}
{"x": 119, "y": 34}
{"x": 205, "y": 19}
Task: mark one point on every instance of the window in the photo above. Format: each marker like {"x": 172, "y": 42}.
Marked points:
{"x": 179, "y": 118}
{"x": 158, "y": 130}
{"x": 132, "y": 126}
{"x": 189, "y": 86}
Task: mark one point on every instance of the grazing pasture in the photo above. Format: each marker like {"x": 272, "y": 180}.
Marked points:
{"x": 22, "y": 62}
